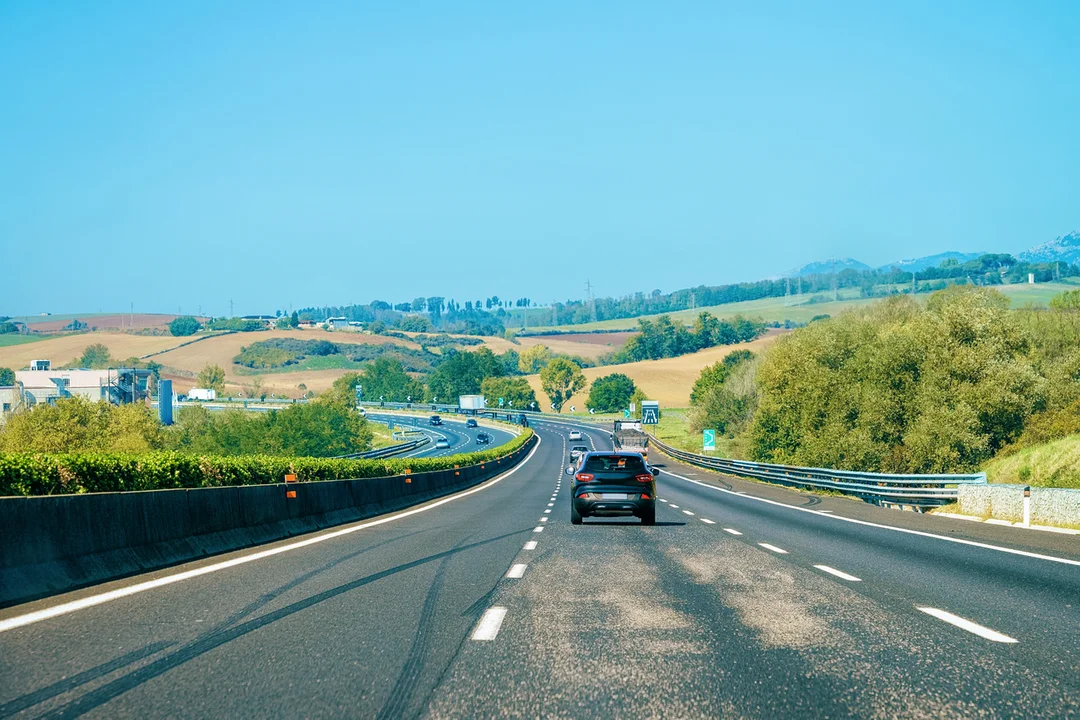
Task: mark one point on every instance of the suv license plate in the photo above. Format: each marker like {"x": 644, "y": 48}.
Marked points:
{"x": 614, "y": 496}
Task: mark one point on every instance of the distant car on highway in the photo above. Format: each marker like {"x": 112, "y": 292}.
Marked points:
{"x": 362, "y": 411}
{"x": 575, "y": 435}
{"x": 435, "y": 420}
{"x": 442, "y": 444}
{"x": 470, "y": 423}
{"x": 577, "y": 451}
{"x": 483, "y": 439}
{"x": 609, "y": 484}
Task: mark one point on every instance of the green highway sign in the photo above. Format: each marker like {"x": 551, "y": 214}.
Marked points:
{"x": 500, "y": 402}
{"x": 710, "y": 439}
{"x": 626, "y": 413}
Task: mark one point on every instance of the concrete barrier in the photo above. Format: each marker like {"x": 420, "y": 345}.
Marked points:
{"x": 1059, "y": 507}
{"x": 58, "y": 543}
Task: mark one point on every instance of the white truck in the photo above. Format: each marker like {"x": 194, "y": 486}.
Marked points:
{"x": 202, "y": 394}
{"x": 471, "y": 402}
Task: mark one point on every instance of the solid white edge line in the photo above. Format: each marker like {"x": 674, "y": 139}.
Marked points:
{"x": 91, "y": 601}
{"x": 732, "y": 531}
{"x": 707, "y": 521}
{"x": 777, "y": 550}
{"x": 516, "y": 570}
{"x": 838, "y": 573}
{"x": 906, "y": 531}
{"x": 965, "y": 624}
{"x": 490, "y": 622}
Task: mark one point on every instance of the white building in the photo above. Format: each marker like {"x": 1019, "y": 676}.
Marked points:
{"x": 116, "y": 385}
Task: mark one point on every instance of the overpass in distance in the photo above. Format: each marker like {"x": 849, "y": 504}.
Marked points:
{"x": 745, "y": 600}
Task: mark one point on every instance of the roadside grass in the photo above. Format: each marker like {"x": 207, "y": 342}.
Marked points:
{"x": 1055, "y": 464}
{"x": 312, "y": 362}
{"x": 381, "y": 435}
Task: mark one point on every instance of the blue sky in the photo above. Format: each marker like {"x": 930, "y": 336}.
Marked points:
{"x": 179, "y": 155}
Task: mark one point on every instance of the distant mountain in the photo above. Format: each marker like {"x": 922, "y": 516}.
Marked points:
{"x": 929, "y": 261}
{"x": 1065, "y": 249}
{"x": 826, "y": 266}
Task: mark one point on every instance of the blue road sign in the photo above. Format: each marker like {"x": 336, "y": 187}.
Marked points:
{"x": 710, "y": 439}
{"x": 650, "y": 412}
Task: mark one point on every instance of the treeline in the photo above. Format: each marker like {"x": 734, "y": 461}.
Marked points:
{"x": 281, "y": 353}
{"x": 77, "y": 425}
{"x": 900, "y": 387}
{"x": 665, "y": 338}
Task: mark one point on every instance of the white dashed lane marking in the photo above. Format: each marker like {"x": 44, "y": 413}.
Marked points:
{"x": 767, "y": 546}
{"x": 531, "y": 545}
{"x": 517, "y": 570}
{"x": 490, "y": 622}
{"x": 838, "y": 573}
{"x": 707, "y": 521}
{"x": 538, "y": 528}
{"x": 964, "y": 624}
{"x": 733, "y": 531}
{"x": 687, "y": 512}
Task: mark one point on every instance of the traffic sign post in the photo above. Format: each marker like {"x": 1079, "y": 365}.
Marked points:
{"x": 709, "y": 440}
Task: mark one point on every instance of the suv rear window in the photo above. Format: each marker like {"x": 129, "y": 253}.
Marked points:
{"x": 614, "y": 463}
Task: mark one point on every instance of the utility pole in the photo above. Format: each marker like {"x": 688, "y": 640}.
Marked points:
{"x": 787, "y": 291}
{"x": 230, "y": 309}
{"x": 590, "y": 299}
{"x": 913, "y": 288}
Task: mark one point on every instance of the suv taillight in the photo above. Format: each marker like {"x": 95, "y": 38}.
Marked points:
{"x": 584, "y": 477}
{"x": 644, "y": 477}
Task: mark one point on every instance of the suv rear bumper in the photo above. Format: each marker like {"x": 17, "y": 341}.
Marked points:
{"x": 596, "y": 505}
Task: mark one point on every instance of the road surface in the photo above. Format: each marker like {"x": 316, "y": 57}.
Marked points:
{"x": 766, "y": 604}
{"x": 460, "y": 438}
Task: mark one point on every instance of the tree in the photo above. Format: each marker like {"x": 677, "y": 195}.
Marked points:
{"x": 184, "y": 326}
{"x": 7, "y": 377}
{"x": 419, "y": 304}
{"x": 534, "y": 359}
{"x": 435, "y": 308}
{"x": 462, "y": 373}
{"x": 212, "y": 377}
{"x": 385, "y": 377}
{"x": 610, "y": 393}
{"x": 515, "y": 392}
{"x": 560, "y": 379}
{"x": 95, "y": 357}
{"x": 75, "y": 424}
{"x": 1068, "y": 300}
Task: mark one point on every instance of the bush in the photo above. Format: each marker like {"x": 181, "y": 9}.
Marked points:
{"x": 184, "y": 326}
{"x": 610, "y": 393}
{"x": 52, "y": 474}
{"x": 898, "y": 387}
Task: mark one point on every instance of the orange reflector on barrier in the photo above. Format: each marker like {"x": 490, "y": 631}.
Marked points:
{"x": 290, "y": 478}
{"x": 290, "y": 494}
{"x": 408, "y": 480}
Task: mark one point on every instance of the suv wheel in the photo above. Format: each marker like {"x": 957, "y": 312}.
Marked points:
{"x": 649, "y": 517}
{"x": 575, "y": 516}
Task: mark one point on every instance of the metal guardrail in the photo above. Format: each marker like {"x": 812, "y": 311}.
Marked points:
{"x": 880, "y": 488}
{"x": 388, "y": 451}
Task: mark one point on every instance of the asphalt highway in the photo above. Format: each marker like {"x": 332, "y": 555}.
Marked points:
{"x": 744, "y": 600}
{"x": 460, "y": 438}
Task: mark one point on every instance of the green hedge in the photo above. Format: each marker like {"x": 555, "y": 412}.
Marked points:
{"x": 47, "y": 474}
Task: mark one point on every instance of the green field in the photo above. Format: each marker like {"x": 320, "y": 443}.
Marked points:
{"x": 9, "y": 339}
{"x": 798, "y": 308}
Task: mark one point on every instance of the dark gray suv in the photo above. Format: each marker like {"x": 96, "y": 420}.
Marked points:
{"x": 607, "y": 484}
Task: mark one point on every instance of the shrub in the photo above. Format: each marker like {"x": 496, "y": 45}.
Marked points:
{"x": 184, "y": 326}
{"x": 51, "y": 474}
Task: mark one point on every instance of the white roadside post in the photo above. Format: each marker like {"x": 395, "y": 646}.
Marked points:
{"x": 1027, "y": 506}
